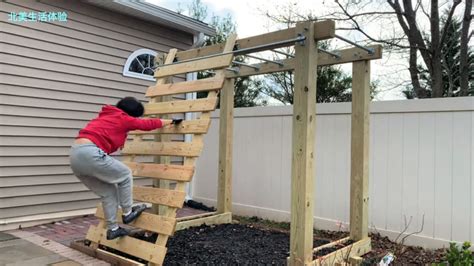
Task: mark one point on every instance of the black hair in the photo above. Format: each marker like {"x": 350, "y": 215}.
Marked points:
{"x": 131, "y": 106}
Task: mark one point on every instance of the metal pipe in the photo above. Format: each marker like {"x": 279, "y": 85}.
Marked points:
{"x": 268, "y": 46}
{"x": 235, "y": 70}
{"x": 247, "y": 65}
{"x": 369, "y": 50}
{"x": 264, "y": 59}
{"x": 243, "y": 51}
{"x": 330, "y": 53}
{"x": 283, "y": 53}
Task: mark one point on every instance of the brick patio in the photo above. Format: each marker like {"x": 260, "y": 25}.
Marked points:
{"x": 76, "y": 228}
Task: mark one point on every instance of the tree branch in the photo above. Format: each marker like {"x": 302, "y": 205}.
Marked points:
{"x": 448, "y": 21}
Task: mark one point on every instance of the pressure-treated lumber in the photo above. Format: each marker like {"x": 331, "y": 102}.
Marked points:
{"x": 358, "y": 248}
{"x": 129, "y": 245}
{"x": 347, "y": 55}
{"x": 332, "y": 244}
{"x": 207, "y": 84}
{"x": 163, "y": 148}
{"x": 359, "y": 195}
{"x": 192, "y": 217}
{"x": 160, "y": 196}
{"x": 226, "y": 127}
{"x": 221, "y": 218}
{"x": 162, "y": 171}
{"x": 302, "y": 160}
{"x": 109, "y": 257}
{"x": 197, "y": 126}
{"x": 173, "y": 107}
{"x": 324, "y": 30}
{"x": 147, "y": 221}
{"x": 193, "y": 66}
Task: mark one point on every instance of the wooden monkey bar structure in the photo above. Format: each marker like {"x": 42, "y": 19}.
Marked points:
{"x": 217, "y": 59}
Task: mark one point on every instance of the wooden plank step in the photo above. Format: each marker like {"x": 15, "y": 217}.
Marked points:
{"x": 207, "y": 84}
{"x": 135, "y": 247}
{"x": 219, "y": 61}
{"x": 187, "y": 149}
{"x": 173, "y": 107}
{"x": 160, "y": 196}
{"x": 151, "y": 222}
{"x": 198, "y": 126}
{"x": 162, "y": 171}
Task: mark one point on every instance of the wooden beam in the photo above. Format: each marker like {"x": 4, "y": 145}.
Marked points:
{"x": 359, "y": 194}
{"x": 222, "y": 218}
{"x": 226, "y": 127}
{"x": 162, "y": 148}
{"x": 182, "y": 106}
{"x": 358, "y": 248}
{"x": 323, "y": 32}
{"x": 192, "y": 217}
{"x": 111, "y": 258}
{"x": 302, "y": 161}
{"x": 135, "y": 247}
{"x": 198, "y": 126}
{"x": 347, "y": 56}
{"x": 332, "y": 244}
{"x": 162, "y": 171}
{"x": 219, "y": 61}
{"x": 207, "y": 84}
{"x": 156, "y": 209}
{"x": 160, "y": 196}
{"x": 147, "y": 221}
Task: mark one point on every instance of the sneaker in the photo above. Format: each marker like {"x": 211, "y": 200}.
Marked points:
{"x": 112, "y": 234}
{"x": 136, "y": 211}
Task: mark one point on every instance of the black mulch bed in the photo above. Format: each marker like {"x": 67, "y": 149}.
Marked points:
{"x": 255, "y": 241}
{"x": 228, "y": 244}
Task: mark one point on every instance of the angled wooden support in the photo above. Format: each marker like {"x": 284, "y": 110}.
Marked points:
{"x": 323, "y": 30}
{"x": 359, "y": 196}
{"x": 302, "y": 160}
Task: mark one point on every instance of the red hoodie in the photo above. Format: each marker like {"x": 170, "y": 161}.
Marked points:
{"x": 109, "y": 130}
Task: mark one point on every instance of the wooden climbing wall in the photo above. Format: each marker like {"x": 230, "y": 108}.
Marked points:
{"x": 169, "y": 198}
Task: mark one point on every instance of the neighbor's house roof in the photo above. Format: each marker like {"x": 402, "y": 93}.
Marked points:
{"x": 156, "y": 14}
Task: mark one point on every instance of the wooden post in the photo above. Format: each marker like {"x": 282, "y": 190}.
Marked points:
{"x": 156, "y": 209}
{"x": 360, "y": 150}
{"x": 302, "y": 161}
{"x": 226, "y": 126}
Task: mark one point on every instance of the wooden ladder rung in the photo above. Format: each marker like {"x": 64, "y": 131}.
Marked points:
{"x": 171, "y": 198}
{"x": 198, "y": 126}
{"x": 207, "y": 84}
{"x": 219, "y": 61}
{"x": 162, "y": 171}
{"x": 151, "y": 222}
{"x": 162, "y": 148}
{"x": 135, "y": 247}
{"x": 183, "y": 106}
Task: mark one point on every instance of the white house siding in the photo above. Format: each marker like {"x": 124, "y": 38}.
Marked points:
{"x": 54, "y": 77}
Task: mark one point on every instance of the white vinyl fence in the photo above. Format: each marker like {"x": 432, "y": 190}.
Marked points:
{"x": 421, "y": 157}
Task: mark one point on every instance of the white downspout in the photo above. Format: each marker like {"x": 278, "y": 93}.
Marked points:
{"x": 197, "y": 42}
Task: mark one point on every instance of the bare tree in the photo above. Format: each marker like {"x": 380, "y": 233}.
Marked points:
{"x": 406, "y": 26}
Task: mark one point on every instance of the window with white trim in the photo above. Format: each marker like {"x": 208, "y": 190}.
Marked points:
{"x": 141, "y": 64}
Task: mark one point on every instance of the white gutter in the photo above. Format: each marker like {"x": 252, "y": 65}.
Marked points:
{"x": 156, "y": 14}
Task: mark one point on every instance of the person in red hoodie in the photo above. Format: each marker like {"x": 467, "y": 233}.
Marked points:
{"x": 106, "y": 176}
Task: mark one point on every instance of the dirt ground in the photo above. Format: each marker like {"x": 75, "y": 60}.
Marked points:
{"x": 254, "y": 241}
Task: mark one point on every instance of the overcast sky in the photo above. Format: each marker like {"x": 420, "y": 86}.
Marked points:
{"x": 250, "y": 19}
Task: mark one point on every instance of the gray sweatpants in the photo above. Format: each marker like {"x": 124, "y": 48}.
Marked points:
{"x": 105, "y": 176}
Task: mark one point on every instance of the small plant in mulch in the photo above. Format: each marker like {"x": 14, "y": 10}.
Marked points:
{"x": 460, "y": 255}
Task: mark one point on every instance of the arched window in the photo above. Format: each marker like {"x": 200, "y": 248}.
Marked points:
{"x": 140, "y": 64}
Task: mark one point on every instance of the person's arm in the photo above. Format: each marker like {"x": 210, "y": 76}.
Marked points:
{"x": 145, "y": 124}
